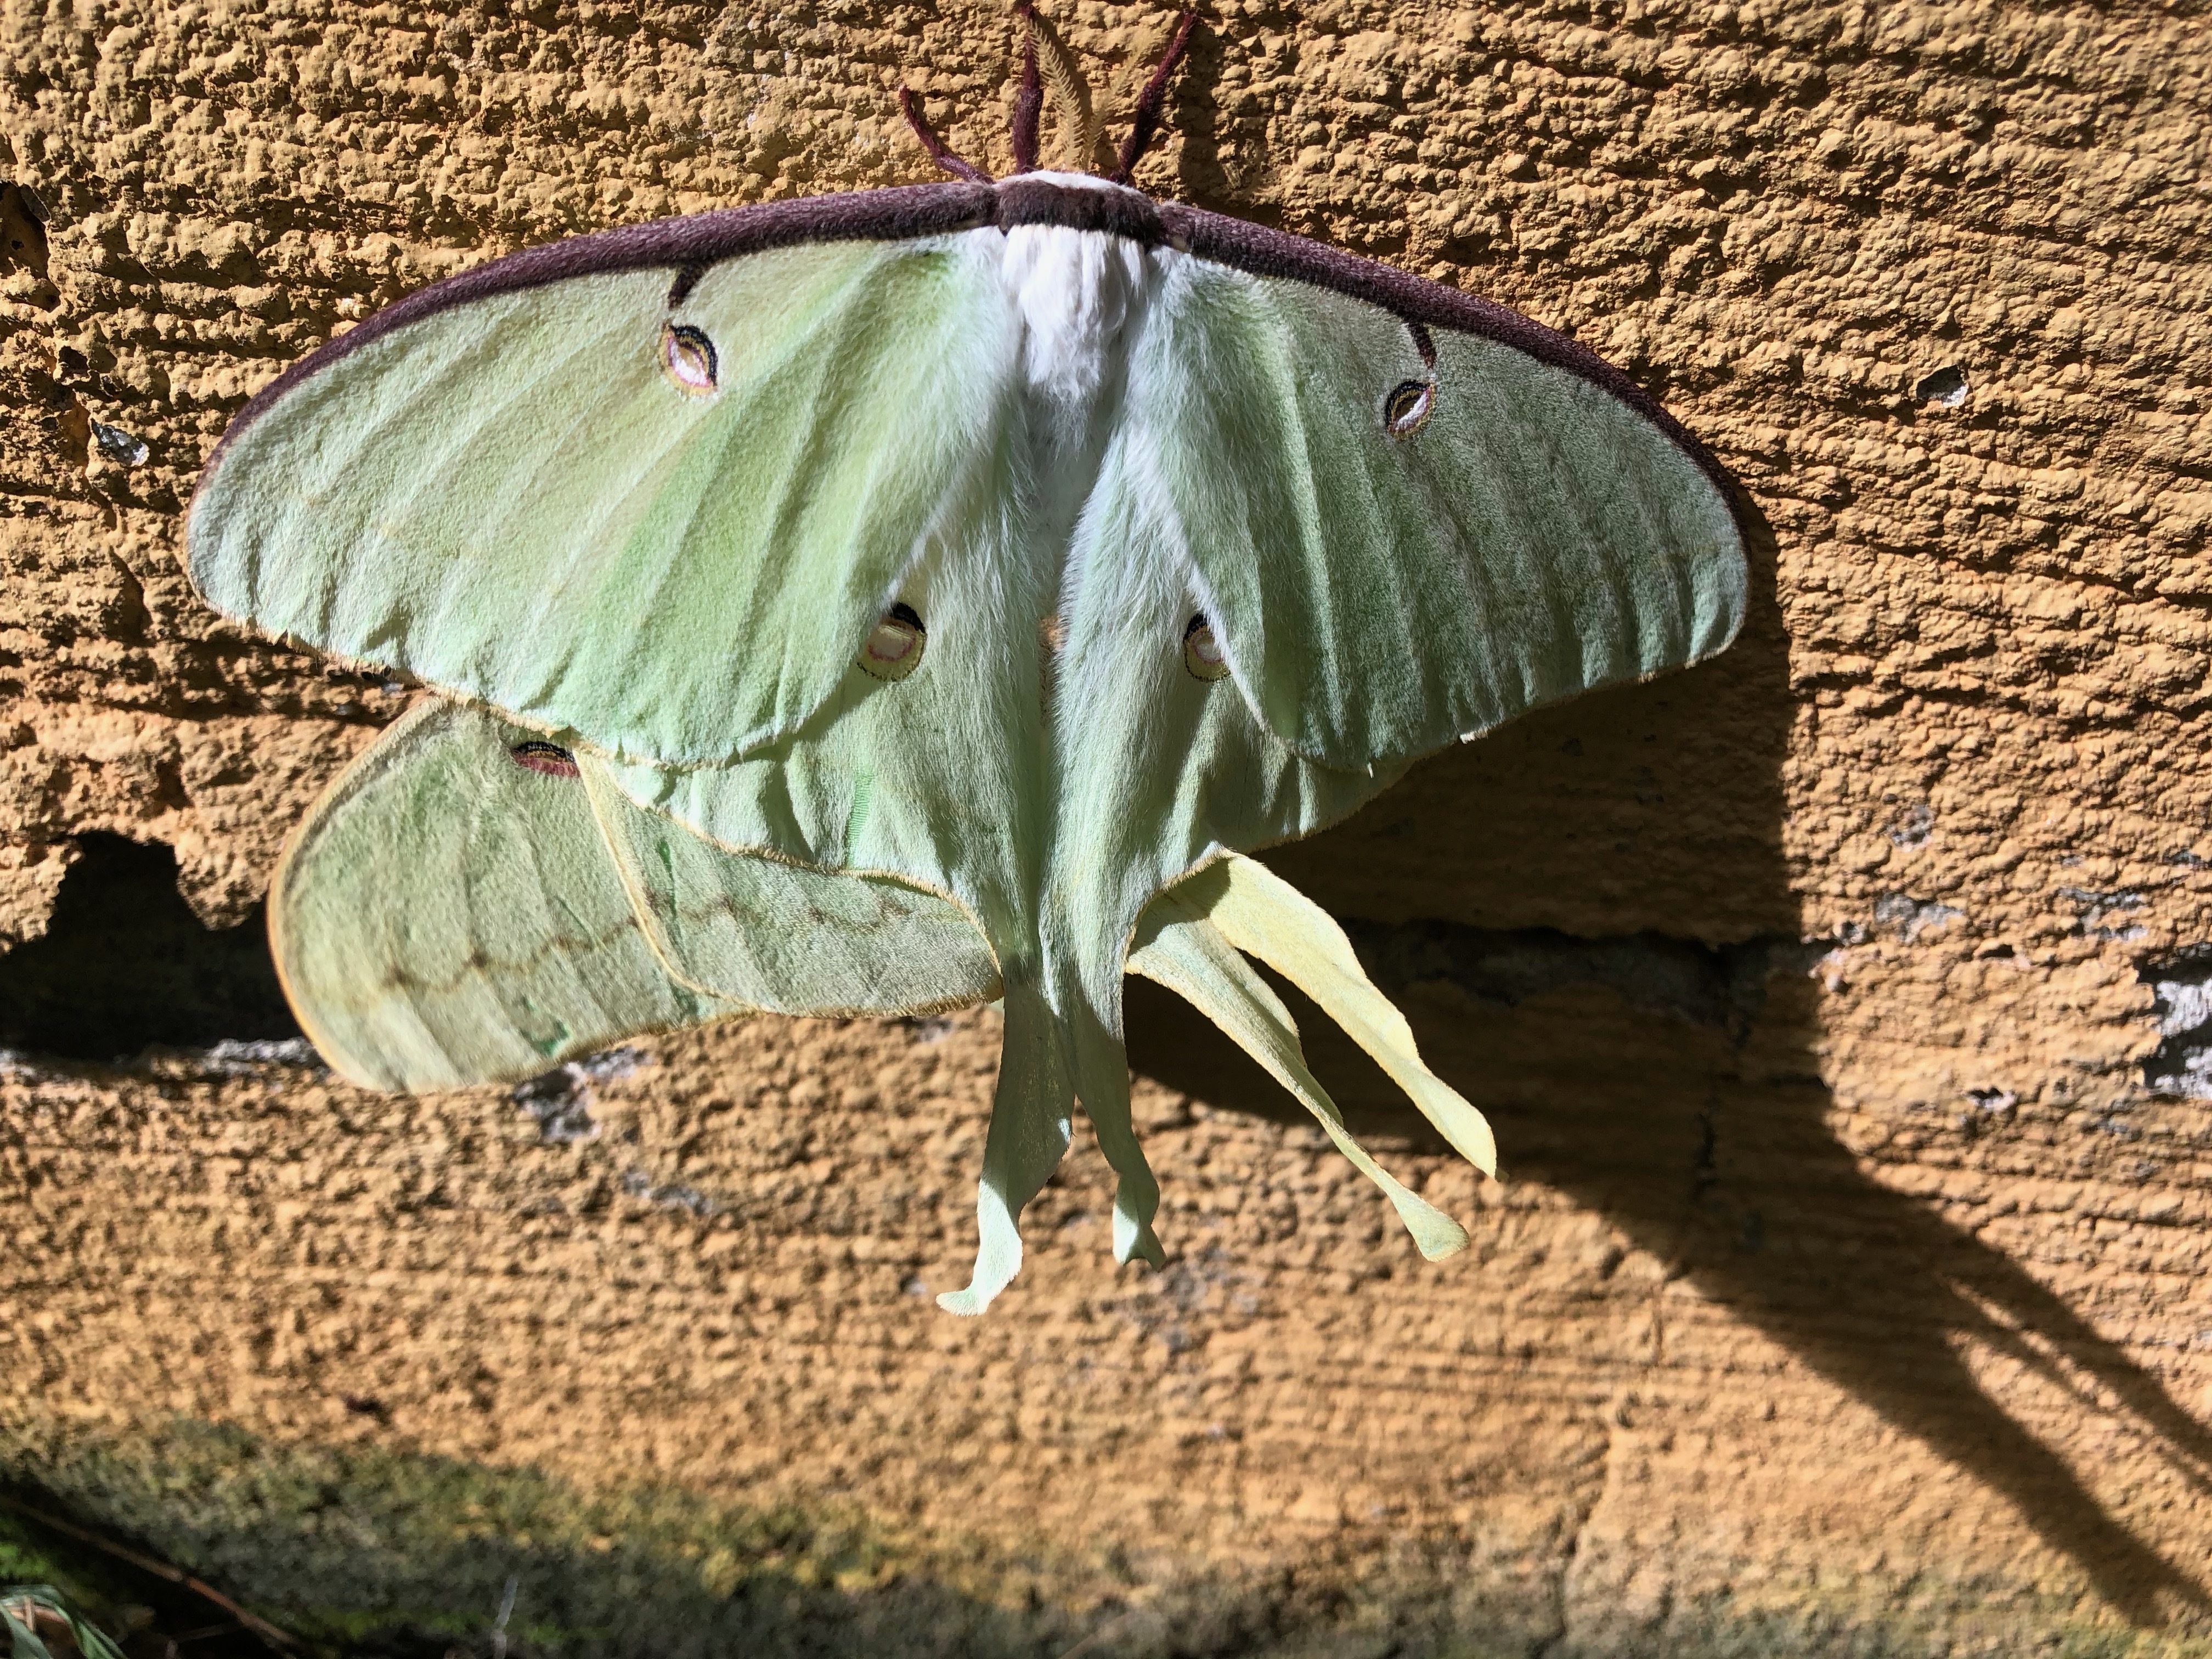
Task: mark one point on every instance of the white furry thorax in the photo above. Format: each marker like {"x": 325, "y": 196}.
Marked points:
{"x": 1078, "y": 290}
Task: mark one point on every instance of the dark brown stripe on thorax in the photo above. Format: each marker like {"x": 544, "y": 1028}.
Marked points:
{"x": 1113, "y": 211}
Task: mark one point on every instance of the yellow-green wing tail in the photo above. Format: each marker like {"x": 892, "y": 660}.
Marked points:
{"x": 1177, "y": 946}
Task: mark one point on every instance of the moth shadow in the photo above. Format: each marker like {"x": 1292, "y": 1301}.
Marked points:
{"x": 1588, "y": 921}
{"x": 1222, "y": 159}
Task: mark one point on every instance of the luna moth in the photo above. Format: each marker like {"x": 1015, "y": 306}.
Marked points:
{"x": 919, "y": 597}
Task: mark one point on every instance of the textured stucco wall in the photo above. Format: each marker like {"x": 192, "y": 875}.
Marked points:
{"x": 1844, "y": 1293}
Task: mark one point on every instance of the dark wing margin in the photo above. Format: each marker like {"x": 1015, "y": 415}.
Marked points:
{"x": 1264, "y": 251}
{"x": 693, "y": 241}
{"x": 690, "y": 242}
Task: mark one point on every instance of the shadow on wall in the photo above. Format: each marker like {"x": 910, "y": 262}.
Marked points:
{"x": 124, "y": 965}
{"x": 658, "y": 1573}
{"x": 406, "y": 1555}
{"x": 1727, "y": 1169}
{"x": 373, "y": 1553}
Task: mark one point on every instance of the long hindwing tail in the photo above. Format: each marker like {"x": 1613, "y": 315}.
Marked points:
{"x": 1177, "y": 946}
{"x": 1101, "y": 1081}
{"x": 1263, "y": 915}
{"x": 1030, "y": 1119}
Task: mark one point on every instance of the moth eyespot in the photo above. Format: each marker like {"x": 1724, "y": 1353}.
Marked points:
{"x": 894, "y": 649}
{"x": 1202, "y": 652}
{"x": 1407, "y": 409}
{"x": 551, "y": 759}
{"x": 687, "y": 358}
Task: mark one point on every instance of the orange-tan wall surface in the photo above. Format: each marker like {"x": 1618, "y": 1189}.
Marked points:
{"x": 1844, "y": 1007}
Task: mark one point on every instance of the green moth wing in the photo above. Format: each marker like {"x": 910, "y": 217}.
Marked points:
{"x": 657, "y": 507}
{"x": 460, "y": 907}
{"x": 1178, "y": 947}
{"x": 1406, "y": 535}
{"x": 448, "y": 914}
{"x": 782, "y": 938}
{"x": 942, "y": 776}
{"x": 1257, "y": 912}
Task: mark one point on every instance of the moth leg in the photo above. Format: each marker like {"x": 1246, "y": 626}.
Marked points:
{"x": 1031, "y": 1121}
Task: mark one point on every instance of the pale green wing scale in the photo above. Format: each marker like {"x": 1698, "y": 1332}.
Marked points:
{"x": 1406, "y": 534}
{"x": 784, "y": 938}
{"x": 656, "y": 507}
{"x": 447, "y": 913}
{"x": 459, "y": 909}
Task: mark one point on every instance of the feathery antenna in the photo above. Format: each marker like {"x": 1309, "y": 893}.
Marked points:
{"x": 1066, "y": 90}
{"x": 1070, "y": 103}
{"x": 1029, "y": 102}
{"x": 1152, "y": 100}
{"x": 910, "y": 107}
